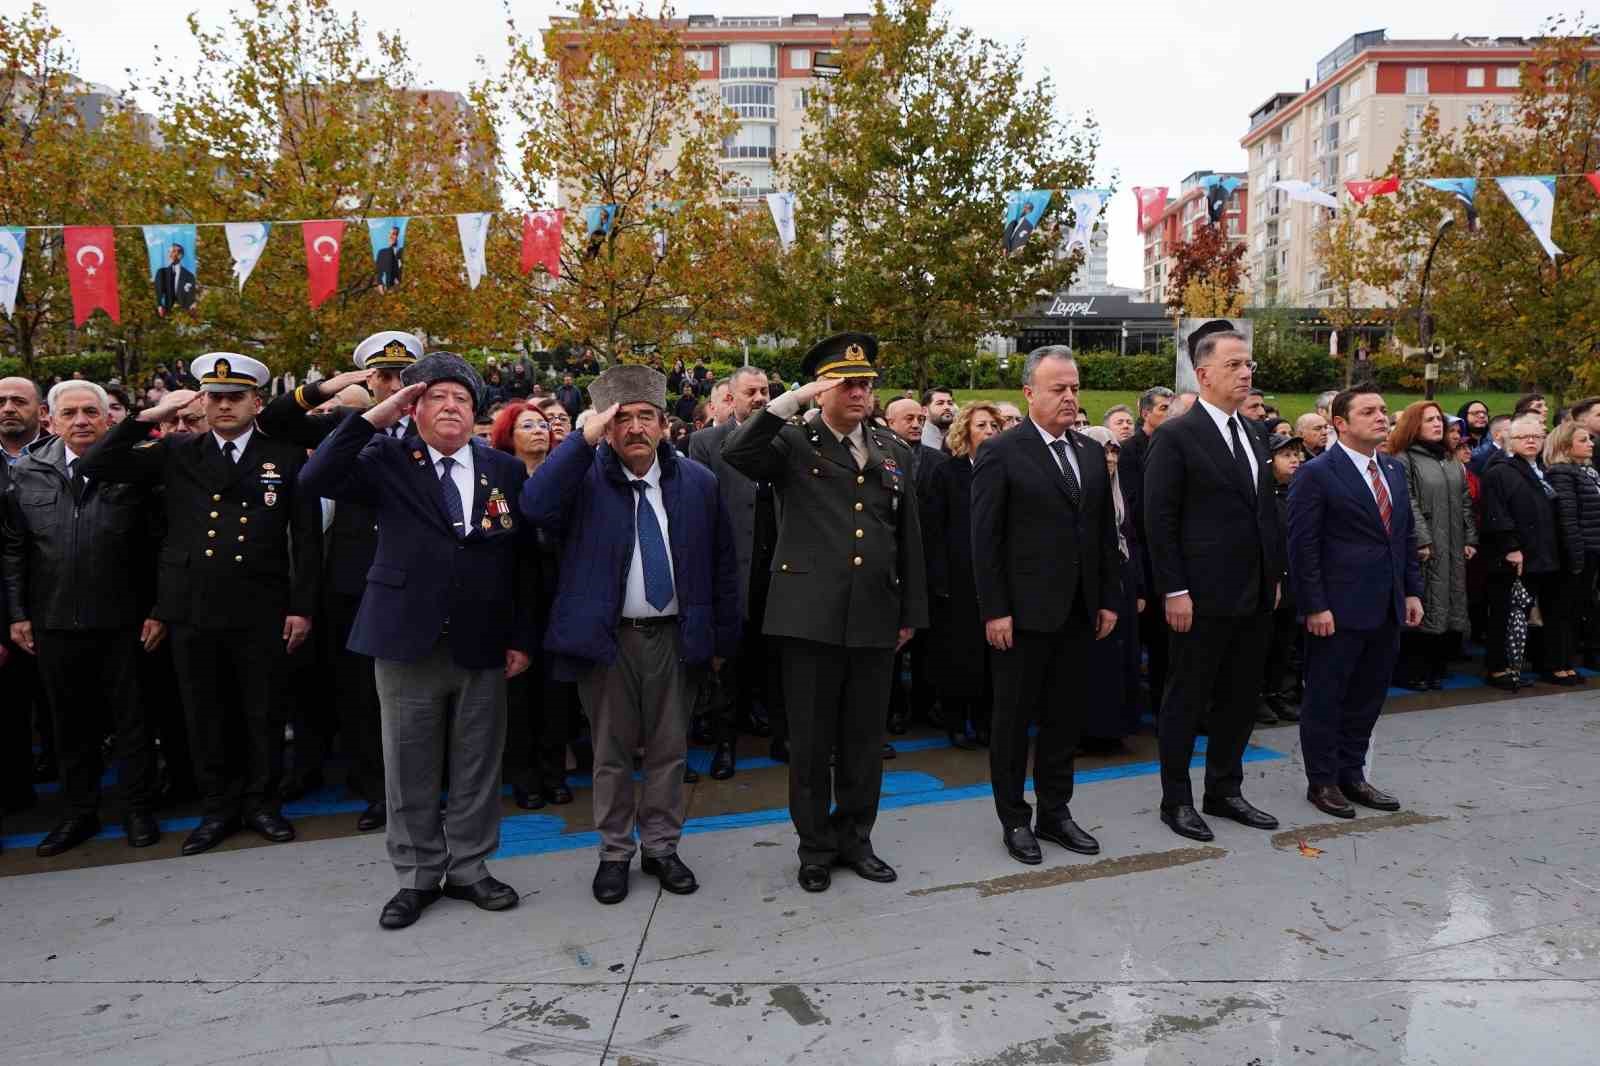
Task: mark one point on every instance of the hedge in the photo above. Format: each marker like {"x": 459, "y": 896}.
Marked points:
{"x": 97, "y": 366}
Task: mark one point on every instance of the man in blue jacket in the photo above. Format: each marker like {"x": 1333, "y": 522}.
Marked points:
{"x": 449, "y": 614}
{"x": 648, "y": 588}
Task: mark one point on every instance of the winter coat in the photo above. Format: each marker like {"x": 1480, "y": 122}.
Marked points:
{"x": 1519, "y": 514}
{"x": 1441, "y": 510}
{"x": 1577, "y": 512}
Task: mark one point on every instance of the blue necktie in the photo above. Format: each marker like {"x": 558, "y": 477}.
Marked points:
{"x": 452, "y": 498}
{"x": 652, "y": 552}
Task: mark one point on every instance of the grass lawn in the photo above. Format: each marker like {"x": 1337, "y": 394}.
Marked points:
{"x": 1291, "y": 404}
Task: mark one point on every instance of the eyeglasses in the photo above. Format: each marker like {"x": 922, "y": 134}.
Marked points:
{"x": 534, "y": 425}
{"x": 1011, "y": 420}
{"x": 560, "y": 420}
{"x": 1527, "y": 436}
{"x": 1233, "y": 366}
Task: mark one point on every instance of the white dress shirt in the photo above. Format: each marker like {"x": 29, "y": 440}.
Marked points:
{"x": 1221, "y": 417}
{"x": 460, "y": 476}
{"x": 1072, "y": 453}
{"x": 240, "y": 443}
{"x": 634, "y": 605}
{"x": 1360, "y": 461}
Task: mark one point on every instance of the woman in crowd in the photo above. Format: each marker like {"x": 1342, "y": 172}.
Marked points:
{"x": 958, "y": 639}
{"x": 537, "y": 708}
{"x": 1281, "y": 427}
{"x": 1280, "y": 681}
{"x": 1113, "y": 692}
{"x": 678, "y": 433}
{"x": 1474, "y": 415}
{"x": 1519, "y": 533}
{"x": 1569, "y": 467}
{"x": 1447, "y": 537}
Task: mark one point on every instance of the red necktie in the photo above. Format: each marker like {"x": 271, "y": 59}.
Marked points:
{"x": 1385, "y": 511}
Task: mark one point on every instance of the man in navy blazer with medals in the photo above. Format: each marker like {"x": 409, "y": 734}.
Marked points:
{"x": 240, "y": 570}
{"x": 1049, "y": 577}
{"x": 449, "y": 614}
{"x": 1353, "y": 561}
{"x": 1216, "y": 552}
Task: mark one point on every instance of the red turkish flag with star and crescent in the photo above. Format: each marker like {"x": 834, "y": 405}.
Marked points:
{"x": 323, "y": 241}
{"x": 1362, "y": 191}
{"x": 92, "y": 272}
{"x": 541, "y": 240}
{"x": 1151, "y": 203}
{"x": 1594, "y": 179}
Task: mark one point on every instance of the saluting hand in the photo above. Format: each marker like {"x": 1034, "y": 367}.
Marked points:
{"x": 388, "y": 412}
{"x": 331, "y": 387}
{"x": 170, "y": 404}
{"x": 594, "y": 428}
{"x": 812, "y": 389}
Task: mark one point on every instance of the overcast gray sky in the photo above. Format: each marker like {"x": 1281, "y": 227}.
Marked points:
{"x": 1171, "y": 83}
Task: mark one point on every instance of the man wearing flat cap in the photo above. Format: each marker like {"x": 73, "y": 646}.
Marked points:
{"x": 449, "y": 614}
{"x": 350, "y": 544}
{"x": 848, "y": 589}
{"x": 1217, "y": 554}
{"x": 647, "y": 588}
{"x": 240, "y": 570}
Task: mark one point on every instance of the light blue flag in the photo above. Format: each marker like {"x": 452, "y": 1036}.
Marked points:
{"x": 388, "y": 258}
{"x": 378, "y": 229}
{"x": 599, "y": 218}
{"x": 1024, "y": 210}
{"x": 12, "y": 239}
{"x": 1463, "y": 189}
{"x": 158, "y": 241}
{"x": 1086, "y": 205}
{"x": 1534, "y": 198}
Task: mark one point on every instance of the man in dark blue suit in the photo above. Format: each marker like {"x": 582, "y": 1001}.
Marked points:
{"x": 1353, "y": 562}
{"x": 449, "y": 614}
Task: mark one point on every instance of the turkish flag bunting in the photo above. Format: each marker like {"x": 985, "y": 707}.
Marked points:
{"x": 92, "y": 272}
{"x": 1362, "y": 191}
{"x": 1594, "y": 180}
{"x": 1151, "y": 203}
{"x": 323, "y": 241}
{"x": 541, "y": 240}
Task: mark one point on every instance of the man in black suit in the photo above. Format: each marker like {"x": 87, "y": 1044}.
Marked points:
{"x": 1216, "y": 551}
{"x": 1153, "y": 405}
{"x": 1049, "y": 575}
{"x": 907, "y": 417}
{"x": 174, "y": 284}
{"x": 389, "y": 264}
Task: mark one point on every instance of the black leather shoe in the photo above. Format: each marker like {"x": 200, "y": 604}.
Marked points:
{"x": 1412, "y": 684}
{"x": 374, "y": 817}
{"x": 691, "y": 776}
{"x": 69, "y": 834}
{"x": 1329, "y": 799}
{"x": 959, "y": 739}
{"x": 406, "y": 907}
{"x": 778, "y": 751}
{"x": 1508, "y": 681}
{"x": 1283, "y": 706}
{"x": 1060, "y": 829}
{"x": 1240, "y": 810}
{"x": 674, "y": 876}
{"x": 815, "y": 878}
{"x": 897, "y": 725}
{"x": 560, "y": 795}
{"x": 722, "y": 762}
{"x": 488, "y": 894}
{"x": 1022, "y": 845}
{"x": 528, "y": 801}
{"x": 208, "y": 834}
{"x": 888, "y": 751}
{"x": 611, "y": 881}
{"x": 271, "y": 825}
{"x": 298, "y": 786}
{"x": 1566, "y": 680}
{"x": 1364, "y": 794}
{"x": 1265, "y": 714}
{"x": 870, "y": 868}
{"x": 141, "y": 828}
{"x": 1186, "y": 822}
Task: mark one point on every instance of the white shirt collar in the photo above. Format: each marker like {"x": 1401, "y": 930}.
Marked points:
{"x": 652, "y": 477}
{"x": 70, "y": 455}
{"x": 1048, "y": 439}
{"x": 462, "y": 455}
{"x": 240, "y": 443}
{"x": 1362, "y": 460}
{"x": 1218, "y": 415}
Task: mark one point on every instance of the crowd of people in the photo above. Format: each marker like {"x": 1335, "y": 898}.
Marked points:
{"x": 458, "y": 581}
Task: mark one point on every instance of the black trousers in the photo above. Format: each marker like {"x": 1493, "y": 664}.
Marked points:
{"x": 1035, "y": 681}
{"x": 909, "y": 701}
{"x": 759, "y": 668}
{"x": 92, "y": 680}
{"x": 1561, "y": 602}
{"x": 231, "y": 680}
{"x": 163, "y": 715}
{"x": 19, "y": 684}
{"x": 309, "y": 703}
{"x": 1347, "y": 679}
{"x": 360, "y": 724}
{"x": 1215, "y": 673}
{"x": 1280, "y": 671}
{"x": 835, "y": 707}
{"x": 1153, "y": 634}
{"x": 538, "y": 726}
{"x": 1425, "y": 656}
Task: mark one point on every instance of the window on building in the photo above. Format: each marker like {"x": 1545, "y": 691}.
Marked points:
{"x": 1507, "y": 77}
{"x": 1475, "y": 113}
{"x": 1261, "y": 242}
{"x": 1283, "y": 259}
{"x": 800, "y": 58}
{"x": 802, "y": 99}
{"x": 1316, "y": 145}
{"x": 1288, "y": 132}
{"x": 698, "y": 58}
{"x": 1416, "y": 80}
{"x": 1352, "y": 90}
{"x": 1414, "y": 116}
{"x": 1352, "y": 128}
{"x": 751, "y": 141}
{"x": 751, "y": 101}
{"x": 1288, "y": 167}
{"x": 1504, "y": 114}
{"x": 749, "y": 61}
{"x": 1316, "y": 113}
{"x": 1286, "y": 230}
{"x": 1352, "y": 164}
{"x": 1474, "y": 77}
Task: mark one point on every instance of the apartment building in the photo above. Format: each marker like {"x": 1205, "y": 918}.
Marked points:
{"x": 1346, "y": 124}
{"x": 1182, "y": 218}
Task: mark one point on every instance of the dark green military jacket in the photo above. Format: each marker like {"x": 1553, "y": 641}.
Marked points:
{"x": 848, "y": 569}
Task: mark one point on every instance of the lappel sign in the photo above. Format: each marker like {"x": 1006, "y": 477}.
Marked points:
{"x": 1066, "y": 307}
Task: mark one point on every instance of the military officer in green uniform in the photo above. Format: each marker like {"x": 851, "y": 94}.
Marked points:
{"x": 848, "y": 590}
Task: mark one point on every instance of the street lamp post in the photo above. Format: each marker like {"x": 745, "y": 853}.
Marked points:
{"x": 1430, "y": 369}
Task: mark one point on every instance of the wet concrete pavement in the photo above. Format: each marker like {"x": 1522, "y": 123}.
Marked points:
{"x": 1465, "y": 929}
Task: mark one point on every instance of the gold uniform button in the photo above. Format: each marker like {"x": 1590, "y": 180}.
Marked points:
{"x": 815, "y": 472}
{"x": 238, "y": 558}
{"x": 243, "y": 521}
{"x": 215, "y": 498}
{"x": 213, "y": 514}
{"x": 858, "y": 560}
{"x": 860, "y": 480}
{"x": 858, "y": 505}
{"x": 860, "y": 533}
{"x": 241, "y": 538}
{"x": 209, "y": 553}
{"x": 785, "y": 566}
{"x": 211, "y": 532}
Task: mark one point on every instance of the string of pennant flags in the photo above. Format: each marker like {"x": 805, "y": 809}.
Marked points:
{"x": 91, "y": 255}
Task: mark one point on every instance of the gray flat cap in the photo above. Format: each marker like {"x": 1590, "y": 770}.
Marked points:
{"x": 629, "y": 383}
{"x": 444, "y": 366}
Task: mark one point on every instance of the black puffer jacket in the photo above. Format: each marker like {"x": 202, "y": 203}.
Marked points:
{"x": 1519, "y": 514}
{"x": 1577, "y": 512}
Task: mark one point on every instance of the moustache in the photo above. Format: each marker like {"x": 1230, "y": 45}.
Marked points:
{"x": 636, "y": 438}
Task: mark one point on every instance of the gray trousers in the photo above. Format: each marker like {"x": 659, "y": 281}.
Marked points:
{"x": 639, "y": 700}
{"x": 432, "y": 710}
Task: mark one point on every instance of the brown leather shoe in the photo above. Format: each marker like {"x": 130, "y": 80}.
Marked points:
{"x": 1364, "y": 794}
{"x": 1330, "y": 800}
